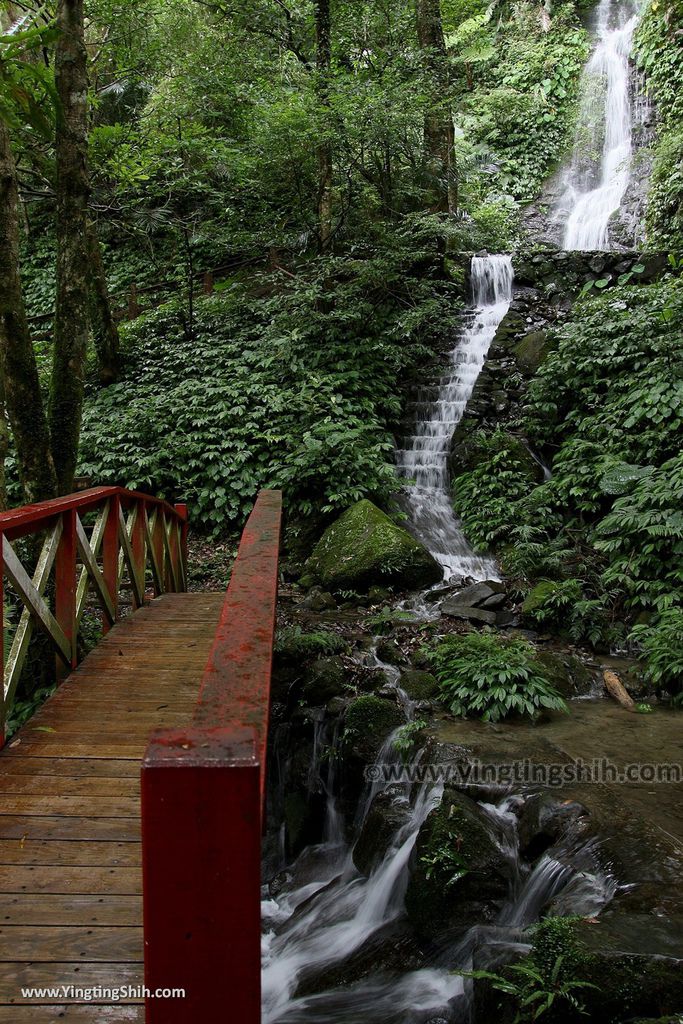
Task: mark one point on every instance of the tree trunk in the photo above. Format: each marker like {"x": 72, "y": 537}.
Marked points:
{"x": 17, "y": 359}
{"x": 323, "y": 30}
{"x": 105, "y": 331}
{"x": 71, "y": 313}
{"x": 438, "y": 124}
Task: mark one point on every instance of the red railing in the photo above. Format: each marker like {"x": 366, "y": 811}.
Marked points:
{"x": 129, "y": 532}
{"x": 202, "y": 808}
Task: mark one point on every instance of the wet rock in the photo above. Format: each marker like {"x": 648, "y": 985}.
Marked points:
{"x": 567, "y": 673}
{"x": 420, "y": 686}
{"x": 379, "y": 595}
{"x": 318, "y": 600}
{"x": 324, "y": 679}
{"x": 459, "y": 876}
{"x": 454, "y": 584}
{"x": 456, "y": 611}
{"x": 544, "y": 819}
{"x": 495, "y": 601}
{"x": 368, "y": 721}
{"x": 389, "y": 812}
{"x": 364, "y": 546}
{"x": 389, "y": 652}
{"x": 531, "y": 351}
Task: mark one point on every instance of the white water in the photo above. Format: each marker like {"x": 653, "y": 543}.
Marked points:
{"x": 425, "y": 457}
{"x": 598, "y": 175}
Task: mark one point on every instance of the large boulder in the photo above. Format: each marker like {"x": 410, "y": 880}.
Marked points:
{"x": 364, "y": 548}
{"x": 459, "y": 875}
{"x": 388, "y": 813}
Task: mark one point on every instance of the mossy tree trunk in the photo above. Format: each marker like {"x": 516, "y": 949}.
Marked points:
{"x": 72, "y": 188}
{"x": 438, "y": 124}
{"x": 20, "y": 384}
{"x": 104, "y": 329}
{"x": 323, "y": 30}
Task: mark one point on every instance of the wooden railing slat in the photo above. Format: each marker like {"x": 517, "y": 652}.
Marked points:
{"x": 95, "y": 545}
{"x": 43, "y": 617}
{"x": 93, "y": 570}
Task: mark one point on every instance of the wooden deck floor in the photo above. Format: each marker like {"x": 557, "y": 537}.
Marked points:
{"x": 70, "y": 876}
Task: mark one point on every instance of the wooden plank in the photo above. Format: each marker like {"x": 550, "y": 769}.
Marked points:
{"x": 89, "y": 550}
{"x": 86, "y": 767}
{"x": 32, "y": 804}
{"x": 66, "y": 785}
{"x": 16, "y": 826}
{"x": 88, "y": 881}
{"x": 67, "y": 910}
{"x": 44, "y": 944}
{"x": 15, "y": 976}
{"x": 47, "y": 745}
{"x": 117, "y": 1013}
{"x": 72, "y": 852}
{"x": 128, "y": 556}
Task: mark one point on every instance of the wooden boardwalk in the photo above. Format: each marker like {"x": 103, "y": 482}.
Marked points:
{"x": 70, "y": 852}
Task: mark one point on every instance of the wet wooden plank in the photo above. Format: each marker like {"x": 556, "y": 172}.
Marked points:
{"x": 14, "y": 826}
{"x": 65, "y": 879}
{"x": 40, "y": 943}
{"x": 32, "y": 804}
{"x": 67, "y": 910}
{"x": 67, "y": 785}
{"x": 15, "y": 976}
{"x": 71, "y": 852}
{"x": 89, "y": 1014}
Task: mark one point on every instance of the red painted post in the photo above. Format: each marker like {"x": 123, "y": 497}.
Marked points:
{"x": 3, "y": 709}
{"x": 181, "y": 509}
{"x": 65, "y": 587}
{"x": 110, "y": 557}
{"x": 201, "y": 853}
{"x": 138, "y": 543}
{"x": 160, "y": 551}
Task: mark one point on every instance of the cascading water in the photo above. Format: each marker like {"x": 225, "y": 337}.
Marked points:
{"x": 598, "y": 174}
{"x": 425, "y": 456}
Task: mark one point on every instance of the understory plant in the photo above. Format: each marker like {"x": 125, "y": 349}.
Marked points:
{"x": 547, "y": 983}
{"x": 491, "y": 677}
{"x": 661, "y": 646}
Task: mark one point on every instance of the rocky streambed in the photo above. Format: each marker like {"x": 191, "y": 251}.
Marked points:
{"x": 390, "y": 869}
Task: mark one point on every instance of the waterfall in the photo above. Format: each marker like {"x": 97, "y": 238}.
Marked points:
{"x": 598, "y": 173}
{"x": 424, "y": 458}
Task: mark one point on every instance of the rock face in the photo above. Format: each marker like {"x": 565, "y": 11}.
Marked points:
{"x": 389, "y": 812}
{"x": 459, "y": 876}
{"x": 364, "y": 547}
{"x": 476, "y": 603}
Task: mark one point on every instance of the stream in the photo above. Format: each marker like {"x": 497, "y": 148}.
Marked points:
{"x": 327, "y": 925}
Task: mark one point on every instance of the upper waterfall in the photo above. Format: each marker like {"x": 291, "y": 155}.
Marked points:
{"x": 598, "y": 174}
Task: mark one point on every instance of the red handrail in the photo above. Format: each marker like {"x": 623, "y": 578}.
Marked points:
{"x": 202, "y": 805}
{"x": 116, "y": 551}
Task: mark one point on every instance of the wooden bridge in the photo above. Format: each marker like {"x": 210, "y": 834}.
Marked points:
{"x": 131, "y": 802}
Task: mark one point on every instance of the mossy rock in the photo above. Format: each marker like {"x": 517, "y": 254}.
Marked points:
{"x": 531, "y": 351}
{"x": 420, "y": 685}
{"x": 389, "y": 812}
{"x": 470, "y": 448}
{"x": 567, "y": 673}
{"x": 325, "y": 679}
{"x": 368, "y": 722}
{"x": 459, "y": 876}
{"x": 364, "y": 548}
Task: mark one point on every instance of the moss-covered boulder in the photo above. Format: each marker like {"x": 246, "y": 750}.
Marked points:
{"x": 389, "y": 812}
{"x": 364, "y": 548}
{"x": 420, "y": 685}
{"x": 531, "y": 351}
{"x": 368, "y": 722}
{"x": 459, "y": 876}
{"x": 324, "y": 680}
{"x": 471, "y": 448}
{"x": 567, "y": 673}
{"x": 538, "y": 595}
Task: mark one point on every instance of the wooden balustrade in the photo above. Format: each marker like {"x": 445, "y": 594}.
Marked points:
{"x": 129, "y": 531}
{"x": 202, "y": 806}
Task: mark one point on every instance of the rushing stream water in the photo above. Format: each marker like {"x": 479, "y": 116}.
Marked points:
{"x": 424, "y": 459}
{"x": 597, "y": 176}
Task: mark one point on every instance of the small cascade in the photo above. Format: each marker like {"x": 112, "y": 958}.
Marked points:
{"x": 598, "y": 175}
{"x": 424, "y": 458}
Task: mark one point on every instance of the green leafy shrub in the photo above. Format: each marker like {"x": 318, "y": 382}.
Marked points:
{"x": 491, "y": 677}
{"x": 661, "y": 645}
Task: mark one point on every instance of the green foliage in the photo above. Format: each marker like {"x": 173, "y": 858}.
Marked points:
{"x": 407, "y": 737}
{"x": 293, "y": 644}
{"x": 443, "y": 860}
{"x": 297, "y": 390}
{"x": 661, "y": 645}
{"x": 606, "y": 410}
{"x": 660, "y": 54}
{"x": 547, "y": 982}
{"x": 492, "y": 676}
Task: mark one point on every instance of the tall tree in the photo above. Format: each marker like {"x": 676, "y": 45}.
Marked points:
{"x": 104, "y": 330}
{"x": 17, "y": 358}
{"x": 323, "y": 35}
{"x": 438, "y": 123}
{"x": 72, "y": 192}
